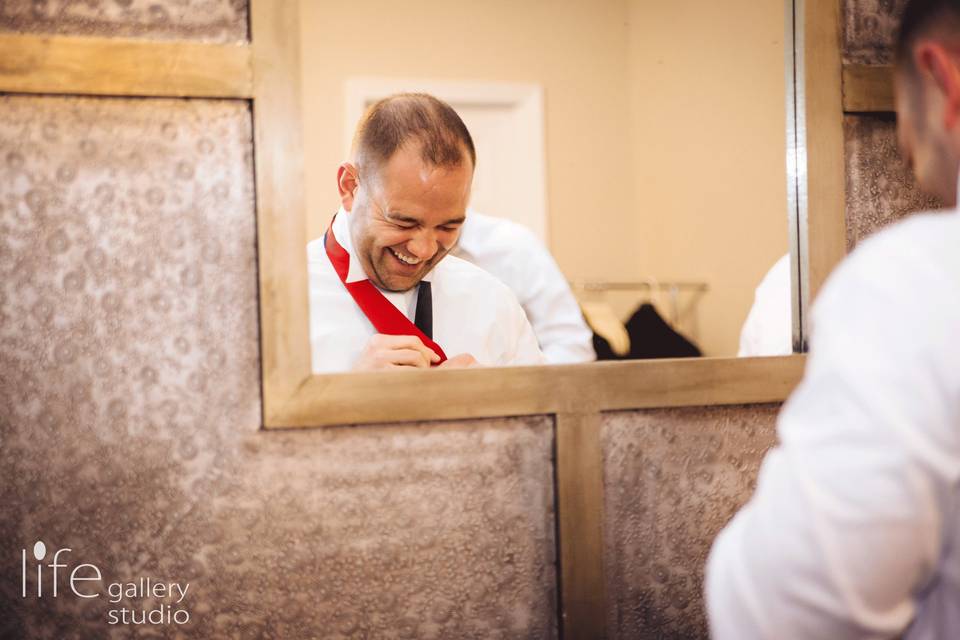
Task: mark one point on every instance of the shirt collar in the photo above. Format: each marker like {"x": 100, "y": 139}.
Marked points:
{"x": 341, "y": 230}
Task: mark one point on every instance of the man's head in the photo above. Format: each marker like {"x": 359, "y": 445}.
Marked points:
{"x": 406, "y": 187}
{"x": 928, "y": 94}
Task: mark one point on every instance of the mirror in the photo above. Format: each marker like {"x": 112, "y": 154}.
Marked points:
{"x": 640, "y": 145}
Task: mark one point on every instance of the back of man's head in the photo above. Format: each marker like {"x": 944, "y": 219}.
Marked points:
{"x": 926, "y": 18}
{"x": 927, "y": 95}
{"x": 418, "y": 119}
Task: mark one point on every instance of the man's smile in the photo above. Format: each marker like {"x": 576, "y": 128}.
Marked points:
{"x": 404, "y": 258}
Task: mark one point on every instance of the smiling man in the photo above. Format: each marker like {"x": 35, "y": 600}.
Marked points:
{"x": 384, "y": 294}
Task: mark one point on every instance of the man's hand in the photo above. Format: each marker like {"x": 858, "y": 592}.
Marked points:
{"x": 395, "y": 352}
{"x": 462, "y": 361}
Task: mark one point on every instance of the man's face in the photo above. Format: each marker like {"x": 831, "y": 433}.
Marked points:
{"x": 407, "y": 217}
{"x": 925, "y": 143}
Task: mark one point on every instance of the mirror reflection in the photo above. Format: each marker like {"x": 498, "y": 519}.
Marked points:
{"x": 576, "y": 181}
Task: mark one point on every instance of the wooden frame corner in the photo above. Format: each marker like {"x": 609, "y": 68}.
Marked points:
{"x": 867, "y": 88}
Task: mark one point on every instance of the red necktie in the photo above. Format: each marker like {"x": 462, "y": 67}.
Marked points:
{"x": 385, "y": 317}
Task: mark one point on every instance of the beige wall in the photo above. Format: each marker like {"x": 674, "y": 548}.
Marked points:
{"x": 497, "y": 40}
{"x": 707, "y": 97}
{"x": 652, "y": 209}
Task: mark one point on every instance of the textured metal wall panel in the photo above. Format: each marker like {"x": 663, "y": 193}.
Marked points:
{"x": 673, "y": 478}
{"x": 204, "y": 20}
{"x": 441, "y": 530}
{"x": 880, "y": 188}
{"x": 130, "y": 412}
{"x": 870, "y": 30}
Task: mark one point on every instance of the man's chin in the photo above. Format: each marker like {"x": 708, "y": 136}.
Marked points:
{"x": 391, "y": 280}
{"x": 400, "y": 288}
{"x": 397, "y": 283}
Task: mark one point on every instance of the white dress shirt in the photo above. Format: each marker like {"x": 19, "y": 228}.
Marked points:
{"x": 516, "y": 256}
{"x": 854, "y": 528}
{"x": 768, "y": 329}
{"x": 473, "y": 312}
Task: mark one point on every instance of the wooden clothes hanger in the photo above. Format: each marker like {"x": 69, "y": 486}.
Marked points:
{"x": 605, "y": 323}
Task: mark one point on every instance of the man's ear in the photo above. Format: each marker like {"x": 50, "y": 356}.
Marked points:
{"x": 933, "y": 59}
{"x": 347, "y": 182}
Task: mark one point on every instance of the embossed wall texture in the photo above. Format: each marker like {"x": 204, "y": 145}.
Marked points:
{"x": 205, "y": 20}
{"x": 672, "y": 478}
{"x": 870, "y": 29}
{"x": 879, "y": 188}
{"x": 130, "y": 413}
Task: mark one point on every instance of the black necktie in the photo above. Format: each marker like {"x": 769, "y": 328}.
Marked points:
{"x": 424, "y": 315}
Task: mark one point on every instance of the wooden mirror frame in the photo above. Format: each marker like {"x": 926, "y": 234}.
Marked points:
{"x": 267, "y": 72}
{"x": 825, "y": 88}
{"x": 295, "y": 397}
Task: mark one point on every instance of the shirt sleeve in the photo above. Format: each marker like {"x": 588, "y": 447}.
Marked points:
{"x": 553, "y": 310}
{"x": 768, "y": 329}
{"x": 518, "y": 258}
{"x": 525, "y": 349}
{"x": 845, "y": 528}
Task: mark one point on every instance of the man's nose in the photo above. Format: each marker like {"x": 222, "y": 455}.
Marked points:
{"x": 423, "y": 245}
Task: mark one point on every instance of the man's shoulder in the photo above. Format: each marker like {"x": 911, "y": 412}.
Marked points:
{"x": 909, "y": 269}
{"x": 913, "y": 249}
{"x": 456, "y": 268}
{"x": 320, "y": 272}
{"x": 483, "y": 234}
{"x": 315, "y": 250}
{"x": 923, "y": 227}
{"x": 464, "y": 277}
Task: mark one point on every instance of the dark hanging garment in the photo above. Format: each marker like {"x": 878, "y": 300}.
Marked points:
{"x": 603, "y": 350}
{"x": 650, "y": 337}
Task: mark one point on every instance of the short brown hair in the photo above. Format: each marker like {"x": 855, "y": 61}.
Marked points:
{"x": 407, "y": 118}
{"x": 925, "y": 18}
